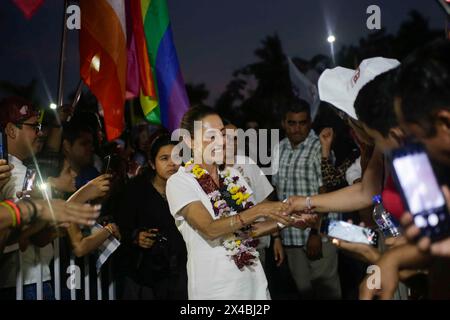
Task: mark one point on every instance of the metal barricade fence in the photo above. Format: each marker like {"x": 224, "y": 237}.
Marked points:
{"x": 74, "y": 277}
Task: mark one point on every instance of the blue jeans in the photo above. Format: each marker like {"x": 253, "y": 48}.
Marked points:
{"x": 29, "y": 292}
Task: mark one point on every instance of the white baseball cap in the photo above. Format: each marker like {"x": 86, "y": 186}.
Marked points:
{"x": 340, "y": 86}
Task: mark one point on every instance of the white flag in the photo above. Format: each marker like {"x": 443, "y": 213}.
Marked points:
{"x": 106, "y": 249}
{"x": 303, "y": 88}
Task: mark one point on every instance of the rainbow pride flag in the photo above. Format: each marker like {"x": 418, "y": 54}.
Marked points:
{"x": 152, "y": 55}
{"x": 103, "y": 58}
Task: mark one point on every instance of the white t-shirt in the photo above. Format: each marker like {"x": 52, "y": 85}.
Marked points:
{"x": 212, "y": 275}
{"x": 258, "y": 182}
{"x": 353, "y": 172}
{"x": 8, "y": 263}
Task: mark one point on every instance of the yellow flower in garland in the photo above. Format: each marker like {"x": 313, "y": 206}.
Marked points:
{"x": 234, "y": 190}
{"x": 239, "y": 197}
{"x": 238, "y": 242}
{"x": 198, "y": 171}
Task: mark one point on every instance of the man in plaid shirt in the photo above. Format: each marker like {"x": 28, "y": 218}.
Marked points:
{"x": 313, "y": 264}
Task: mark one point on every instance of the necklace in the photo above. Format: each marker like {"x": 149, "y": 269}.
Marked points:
{"x": 228, "y": 199}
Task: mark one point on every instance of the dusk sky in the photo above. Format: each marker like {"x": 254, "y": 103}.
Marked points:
{"x": 213, "y": 37}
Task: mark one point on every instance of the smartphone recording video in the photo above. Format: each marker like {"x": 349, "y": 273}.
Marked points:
{"x": 29, "y": 180}
{"x": 349, "y": 232}
{"x": 420, "y": 190}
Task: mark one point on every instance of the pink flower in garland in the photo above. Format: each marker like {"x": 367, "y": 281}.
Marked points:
{"x": 248, "y": 205}
{"x": 227, "y": 199}
{"x": 215, "y": 195}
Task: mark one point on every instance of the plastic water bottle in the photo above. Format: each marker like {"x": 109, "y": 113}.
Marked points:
{"x": 383, "y": 218}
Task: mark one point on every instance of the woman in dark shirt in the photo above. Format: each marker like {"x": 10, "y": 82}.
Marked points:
{"x": 153, "y": 256}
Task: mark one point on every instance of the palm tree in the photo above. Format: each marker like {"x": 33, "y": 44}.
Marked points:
{"x": 413, "y": 33}
{"x": 230, "y": 99}
{"x": 273, "y": 88}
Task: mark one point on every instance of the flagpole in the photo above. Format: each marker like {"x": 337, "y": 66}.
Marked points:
{"x": 55, "y": 136}
{"x": 76, "y": 99}
{"x": 62, "y": 57}
{"x": 77, "y": 94}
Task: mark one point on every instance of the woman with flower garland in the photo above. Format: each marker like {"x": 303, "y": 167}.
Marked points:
{"x": 214, "y": 212}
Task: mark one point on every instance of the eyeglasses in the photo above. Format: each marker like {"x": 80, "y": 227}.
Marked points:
{"x": 37, "y": 126}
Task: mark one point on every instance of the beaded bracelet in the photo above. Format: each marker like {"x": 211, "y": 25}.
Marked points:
{"x": 16, "y": 211}
{"x": 34, "y": 209}
{"x": 11, "y": 211}
{"x": 308, "y": 203}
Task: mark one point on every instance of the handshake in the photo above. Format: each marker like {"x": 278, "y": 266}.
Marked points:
{"x": 288, "y": 213}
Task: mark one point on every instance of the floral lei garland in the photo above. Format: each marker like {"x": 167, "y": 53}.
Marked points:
{"x": 229, "y": 199}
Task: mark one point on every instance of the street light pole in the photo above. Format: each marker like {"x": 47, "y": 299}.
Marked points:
{"x": 331, "y": 39}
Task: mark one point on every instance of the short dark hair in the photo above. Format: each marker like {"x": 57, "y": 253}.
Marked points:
{"x": 297, "y": 106}
{"x": 374, "y": 104}
{"x": 196, "y": 113}
{"x": 49, "y": 164}
{"x": 73, "y": 129}
{"x": 424, "y": 84}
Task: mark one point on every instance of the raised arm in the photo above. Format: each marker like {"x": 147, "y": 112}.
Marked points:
{"x": 84, "y": 245}
{"x": 94, "y": 189}
{"x": 352, "y": 198}
{"x": 400, "y": 258}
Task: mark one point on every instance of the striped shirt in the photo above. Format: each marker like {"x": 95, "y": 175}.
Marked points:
{"x": 299, "y": 174}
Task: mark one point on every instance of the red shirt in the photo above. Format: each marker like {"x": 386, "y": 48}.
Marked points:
{"x": 392, "y": 200}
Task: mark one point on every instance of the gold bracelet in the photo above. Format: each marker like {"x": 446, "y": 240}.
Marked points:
{"x": 109, "y": 229}
{"x": 232, "y": 218}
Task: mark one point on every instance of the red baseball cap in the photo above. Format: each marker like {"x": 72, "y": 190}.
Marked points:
{"x": 15, "y": 110}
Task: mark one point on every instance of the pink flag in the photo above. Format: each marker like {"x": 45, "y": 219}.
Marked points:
{"x": 28, "y": 7}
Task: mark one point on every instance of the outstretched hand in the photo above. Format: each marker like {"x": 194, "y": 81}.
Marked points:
{"x": 60, "y": 211}
{"x": 303, "y": 220}
{"x": 275, "y": 210}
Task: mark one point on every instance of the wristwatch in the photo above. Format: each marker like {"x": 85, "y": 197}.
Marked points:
{"x": 314, "y": 231}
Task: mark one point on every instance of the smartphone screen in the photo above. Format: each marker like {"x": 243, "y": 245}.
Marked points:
{"x": 350, "y": 232}
{"x": 3, "y": 146}
{"x": 421, "y": 192}
{"x": 28, "y": 182}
